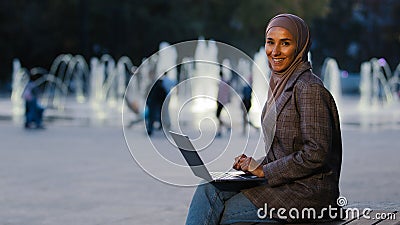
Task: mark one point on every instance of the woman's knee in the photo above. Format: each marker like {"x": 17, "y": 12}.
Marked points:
{"x": 207, "y": 188}
{"x": 239, "y": 209}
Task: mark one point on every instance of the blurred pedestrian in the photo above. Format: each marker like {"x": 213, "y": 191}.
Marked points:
{"x": 223, "y": 98}
{"x": 168, "y": 84}
{"x": 247, "y": 92}
{"x": 154, "y": 103}
{"x": 33, "y": 110}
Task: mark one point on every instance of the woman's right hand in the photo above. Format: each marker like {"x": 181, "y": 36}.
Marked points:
{"x": 248, "y": 165}
{"x": 236, "y": 164}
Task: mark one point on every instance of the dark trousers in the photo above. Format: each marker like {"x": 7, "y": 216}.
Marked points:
{"x": 153, "y": 115}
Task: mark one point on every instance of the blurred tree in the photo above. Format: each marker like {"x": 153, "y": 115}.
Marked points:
{"x": 334, "y": 33}
{"x": 357, "y": 30}
{"x": 252, "y": 24}
{"x": 37, "y": 31}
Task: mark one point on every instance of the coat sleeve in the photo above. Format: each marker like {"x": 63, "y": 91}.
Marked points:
{"x": 313, "y": 107}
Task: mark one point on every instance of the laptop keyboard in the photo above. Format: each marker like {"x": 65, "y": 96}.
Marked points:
{"x": 223, "y": 175}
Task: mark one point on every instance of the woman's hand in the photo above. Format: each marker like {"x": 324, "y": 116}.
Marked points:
{"x": 248, "y": 164}
{"x": 236, "y": 164}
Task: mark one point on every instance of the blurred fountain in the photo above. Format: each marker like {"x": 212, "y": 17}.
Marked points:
{"x": 380, "y": 85}
{"x": 103, "y": 84}
{"x": 113, "y": 88}
{"x": 139, "y": 86}
{"x": 73, "y": 72}
{"x": 20, "y": 78}
{"x": 394, "y": 83}
{"x": 331, "y": 78}
{"x": 124, "y": 70}
{"x": 379, "y": 90}
{"x": 207, "y": 70}
{"x": 167, "y": 59}
{"x": 51, "y": 95}
{"x": 44, "y": 78}
{"x": 72, "y": 81}
{"x": 365, "y": 85}
{"x": 186, "y": 72}
{"x": 374, "y": 85}
{"x": 96, "y": 82}
{"x": 244, "y": 69}
{"x": 227, "y": 69}
{"x": 78, "y": 71}
{"x": 109, "y": 91}
{"x": 261, "y": 74}
{"x": 108, "y": 82}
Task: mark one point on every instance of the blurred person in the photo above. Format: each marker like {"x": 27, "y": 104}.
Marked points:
{"x": 246, "y": 102}
{"x": 168, "y": 84}
{"x": 302, "y": 166}
{"x": 223, "y": 98}
{"x": 33, "y": 110}
{"x": 154, "y": 103}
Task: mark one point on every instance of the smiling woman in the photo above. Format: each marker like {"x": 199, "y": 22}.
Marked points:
{"x": 302, "y": 165}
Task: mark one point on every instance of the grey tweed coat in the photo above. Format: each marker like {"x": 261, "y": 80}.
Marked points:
{"x": 303, "y": 164}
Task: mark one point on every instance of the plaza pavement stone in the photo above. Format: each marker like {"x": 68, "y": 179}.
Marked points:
{"x": 71, "y": 174}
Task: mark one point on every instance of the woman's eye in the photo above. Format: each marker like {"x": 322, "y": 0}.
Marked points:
{"x": 285, "y": 43}
{"x": 270, "y": 42}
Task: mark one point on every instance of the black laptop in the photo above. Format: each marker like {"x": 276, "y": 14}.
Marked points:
{"x": 234, "y": 180}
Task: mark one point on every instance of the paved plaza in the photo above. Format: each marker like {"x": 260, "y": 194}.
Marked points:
{"x": 75, "y": 173}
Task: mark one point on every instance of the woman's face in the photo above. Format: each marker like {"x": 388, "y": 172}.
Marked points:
{"x": 280, "y": 48}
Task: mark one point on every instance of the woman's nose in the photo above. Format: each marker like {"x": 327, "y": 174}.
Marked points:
{"x": 276, "y": 50}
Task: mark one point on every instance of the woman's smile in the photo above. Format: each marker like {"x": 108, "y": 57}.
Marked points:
{"x": 277, "y": 61}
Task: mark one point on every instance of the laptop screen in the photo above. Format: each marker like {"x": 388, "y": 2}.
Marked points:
{"x": 191, "y": 156}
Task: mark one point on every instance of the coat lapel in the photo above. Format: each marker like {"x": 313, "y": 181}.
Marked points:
{"x": 287, "y": 92}
{"x": 269, "y": 118}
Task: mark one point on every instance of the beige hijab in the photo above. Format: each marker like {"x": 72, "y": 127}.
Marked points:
{"x": 299, "y": 29}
